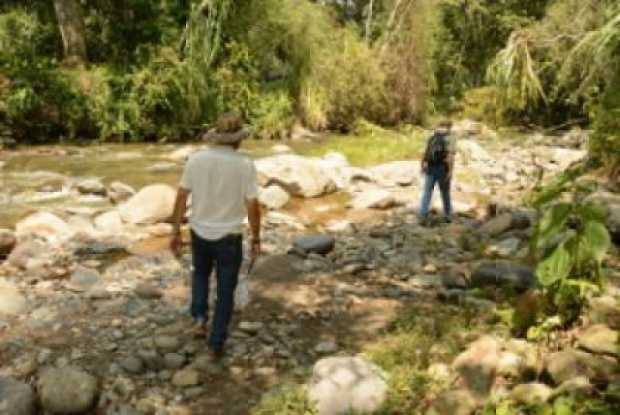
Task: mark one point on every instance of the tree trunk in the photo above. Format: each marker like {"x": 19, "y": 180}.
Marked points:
{"x": 71, "y": 26}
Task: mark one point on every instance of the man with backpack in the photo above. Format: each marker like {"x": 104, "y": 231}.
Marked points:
{"x": 438, "y": 166}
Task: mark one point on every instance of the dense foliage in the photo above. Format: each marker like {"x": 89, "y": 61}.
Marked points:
{"x": 162, "y": 69}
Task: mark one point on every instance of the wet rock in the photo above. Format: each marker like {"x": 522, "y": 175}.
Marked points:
{"x": 174, "y": 361}
{"x": 84, "y": 279}
{"x": 132, "y": 364}
{"x": 12, "y": 302}
{"x": 605, "y": 310}
{"x": 152, "y": 204}
{"x": 343, "y": 384}
{"x": 68, "y": 390}
{"x": 42, "y": 224}
{"x": 148, "y": 291}
{"x": 504, "y": 274}
{"x": 599, "y": 339}
{"x": 186, "y": 378}
{"x": 119, "y": 192}
{"x": 569, "y": 364}
{"x": 531, "y": 393}
{"x": 477, "y": 366}
{"x": 91, "y": 186}
{"x": 374, "y": 199}
{"x": 497, "y": 225}
{"x": 16, "y": 398}
{"x": 314, "y": 244}
{"x": 299, "y": 176}
{"x": 396, "y": 173}
{"x": 458, "y": 402}
{"x": 506, "y": 248}
{"x": 7, "y": 242}
{"x": 167, "y": 344}
{"x": 273, "y": 197}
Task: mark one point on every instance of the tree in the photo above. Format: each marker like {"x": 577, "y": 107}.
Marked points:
{"x": 71, "y": 25}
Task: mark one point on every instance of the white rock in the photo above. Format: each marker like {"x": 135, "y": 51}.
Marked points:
{"x": 152, "y": 204}
{"x": 182, "y": 153}
{"x": 341, "y": 385}
{"x": 300, "y": 176}
{"x": 12, "y": 302}
{"x": 273, "y": 197}
{"x": 374, "y": 199}
{"x": 119, "y": 192}
{"x": 472, "y": 151}
{"x": 68, "y": 390}
{"x": 396, "y": 173}
{"x": 110, "y": 222}
{"x": 281, "y": 149}
{"x": 43, "y": 224}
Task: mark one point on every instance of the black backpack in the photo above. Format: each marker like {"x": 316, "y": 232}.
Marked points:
{"x": 437, "y": 149}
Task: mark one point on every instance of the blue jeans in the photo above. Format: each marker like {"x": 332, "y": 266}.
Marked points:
{"x": 226, "y": 255}
{"x": 436, "y": 175}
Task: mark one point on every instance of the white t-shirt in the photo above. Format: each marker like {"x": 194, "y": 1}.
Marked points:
{"x": 220, "y": 180}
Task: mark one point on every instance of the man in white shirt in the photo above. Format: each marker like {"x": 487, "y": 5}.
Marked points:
{"x": 224, "y": 190}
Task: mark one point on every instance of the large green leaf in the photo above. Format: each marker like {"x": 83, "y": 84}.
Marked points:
{"x": 591, "y": 211}
{"x": 552, "y": 222}
{"x": 556, "y": 267}
{"x": 596, "y": 239}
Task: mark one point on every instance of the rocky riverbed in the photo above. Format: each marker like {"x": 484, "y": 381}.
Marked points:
{"x": 93, "y": 308}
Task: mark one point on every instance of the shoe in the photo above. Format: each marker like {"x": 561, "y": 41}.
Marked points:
{"x": 423, "y": 222}
{"x": 199, "y": 327}
{"x": 217, "y": 353}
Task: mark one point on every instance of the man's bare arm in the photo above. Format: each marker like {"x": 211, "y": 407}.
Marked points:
{"x": 180, "y": 208}
{"x": 254, "y": 217}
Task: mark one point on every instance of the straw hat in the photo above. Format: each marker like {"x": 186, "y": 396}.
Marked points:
{"x": 228, "y": 130}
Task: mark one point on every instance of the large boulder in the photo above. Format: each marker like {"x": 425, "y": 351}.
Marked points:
{"x": 396, "y": 173}
{"x": 68, "y": 390}
{"x": 300, "y": 176}
{"x": 152, "y": 204}
{"x": 110, "y": 223}
{"x": 569, "y": 364}
{"x": 12, "y": 302}
{"x": 477, "y": 365}
{"x": 7, "y": 242}
{"x": 503, "y": 274}
{"x": 273, "y": 197}
{"x": 341, "y": 385}
{"x": 16, "y": 398}
{"x": 43, "y": 224}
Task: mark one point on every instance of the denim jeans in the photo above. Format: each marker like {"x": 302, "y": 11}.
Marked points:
{"x": 436, "y": 175}
{"x": 225, "y": 255}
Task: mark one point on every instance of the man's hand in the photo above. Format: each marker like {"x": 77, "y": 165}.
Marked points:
{"x": 255, "y": 248}
{"x": 176, "y": 244}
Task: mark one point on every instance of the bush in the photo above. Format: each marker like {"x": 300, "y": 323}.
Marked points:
{"x": 482, "y": 104}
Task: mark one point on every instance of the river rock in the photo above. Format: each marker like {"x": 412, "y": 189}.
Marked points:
{"x": 25, "y": 251}
{"x": 185, "y": 378}
{"x": 506, "y": 248}
{"x": 148, "y": 291}
{"x": 341, "y": 385}
{"x": 273, "y": 197}
{"x": 7, "y": 242}
{"x": 477, "y": 365}
{"x": 132, "y": 364}
{"x": 472, "y": 151}
{"x": 42, "y": 224}
{"x": 84, "y": 279}
{"x": 174, "y": 361}
{"x": 152, "y": 204}
{"x": 531, "y": 393}
{"x": 605, "y": 310}
{"x": 182, "y": 153}
{"x": 299, "y": 176}
{"x": 68, "y": 390}
{"x": 396, "y": 173}
{"x": 599, "y": 339}
{"x": 92, "y": 186}
{"x": 119, "y": 192}
{"x": 503, "y": 273}
{"x": 374, "y": 199}
{"x": 167, "y": 344}
{"x": 110, "y": 223}
{"x": 16, "y": 398}
{"x": 457, "y": 402}
{"x": 314, "y": 244}
{"x": 569, "y": 364}
{"x": 564, "y": 157}
{"x": 497, "y": 225}
{"x": 12, "y": 302}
